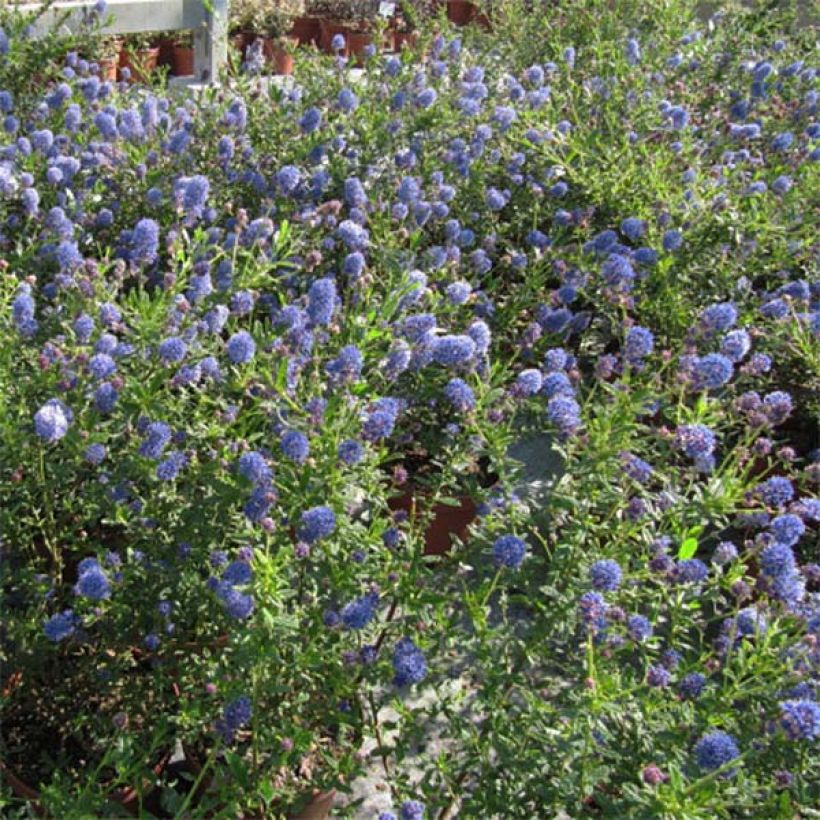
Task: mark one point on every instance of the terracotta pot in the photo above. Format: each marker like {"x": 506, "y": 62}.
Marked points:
{"x": 166, "y": 48}
{"x": 143, "y": 65}
{"x": 461, "y": 12}
{"x": 446, "y": 521}
{"x": 183, "y": 65}
{"x": 279, "y": 56}
{"x": 405, "y": 39}
{"x": 108, "y": 68}
{"x": 306, "y": 31}
{"x": 317, "y": 808}
{"x": 355, "y": 41}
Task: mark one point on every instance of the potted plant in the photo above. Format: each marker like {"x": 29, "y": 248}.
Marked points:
{"x": 140, "y": 55}
{"x": 411, "y": 14}
{"x": 461, "y": 12}
{"x": 352, "y": 20}
{"x": 305, "y": 29}
{"x": 277, "y": 25}
{"x": 108, "y": 57}
{"x": 183, "y": 54}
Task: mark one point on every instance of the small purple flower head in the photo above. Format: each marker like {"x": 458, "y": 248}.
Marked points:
{"x": 412, "y": 810}
{"x": 295, "y": 446}
{"x": 735, "y": 345}
{"x": 639, "y": 628}
{"x": 658, "y": 677}
{"x": 715, "y": 750}
{"x": 787, "y": 529}
{"x": 350, "y": 452}
{"x": 692, "y": 685}
{"x": 452, "y": 351}
{"x": 605, "y": 575}
{"x": 711, "y": 371}
{"x": 157, "y": 436}
{"x": 322, "y": 301}
{"x": 317, "y": 523}
{"x": 695, "y": 440}
{"x": 172, "y": 350}
{"x": 60, "y": 626}
{"x": 639, "y": 343}
{"x": 409, "y": 663}
{"x": 509, "y": 551}
{"x": 359, "y": 613}
{"x": 92, "y": 581}
{"x": 800, "y": 719}
{"x": 776, "y": 491}
{"x": 460, "y": 395}
{"x": 52, "y": 420}
{"x": 241, "y": 347}
{"x": 690, "y": 571}
{"x": 565, "y": 413}
{"x": 718, "y": 317}
{"x": 252, "y": 465}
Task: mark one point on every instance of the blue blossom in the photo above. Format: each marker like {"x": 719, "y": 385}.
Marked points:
{"x": 317, "y": 523}
{"x": 718, "y": 317}
{"x": 711, "y": 371}
{"x": 565, "y": 413}
{"x": 252, "y": 465}
{"x": 241, "y": 347}
{"x": 60, "y": 626}
{"x": 322, "y": 301}
{"x": 638, "y": 627}
{"x": 690, "y": 571}
{"x": 238, "y": 573}
{"x": 145, "y": 241}
{"x": 172, "y": 350}
{"x": 716, "y": 749}
{"x": 735, "y": 345}
{"x": 605, "y": 575}
{"x": 237, "y": 604}
{"x": 409, "y": 663}
{"x": 509, "y": 551}
{"x": 95, "y": 453}
{"x": 787, "y": 529}
{"x": 800, "y": 719}
{"x": 412, "y": 810}
{"x": 692, "y": 685}
{"x": 460, "y": 395}
{"x": 695, "y": 440}
{"x": 658, "y": 676}
{"x": 170, "y": 467}
{"x": 350, "y": 452}
{"x": 157, "y": 436}
{"x": 52, "y": 420}
{"x": 776, "y": 491}
{"x": 528, "y": 383}
{"x": 101, "y": 366}
{"x": 295, "y": 446}
{"x": 347, "y": 100}
{"x": 92, "y": 582}
{"x": 639, "y": 343}
{"x": 358, "y": 613}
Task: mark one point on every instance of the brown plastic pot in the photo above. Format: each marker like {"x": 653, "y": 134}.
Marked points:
{"x": 461, "y": 12}
{"x": 142, "y": 63}
{"x": 183, "y": 65}
{"x": 447, "y": 521}
{"x": 306, "y": 31}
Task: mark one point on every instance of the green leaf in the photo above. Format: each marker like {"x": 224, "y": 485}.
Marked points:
{"x": 688, "y": 548}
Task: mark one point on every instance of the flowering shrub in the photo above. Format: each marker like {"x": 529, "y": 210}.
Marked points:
{"x": 257, "y": 338}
